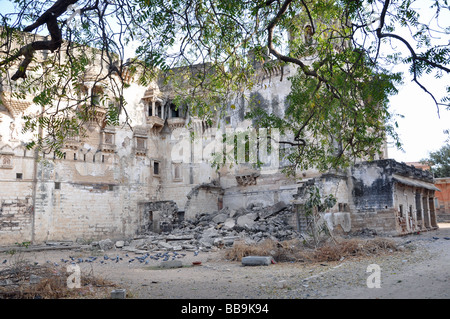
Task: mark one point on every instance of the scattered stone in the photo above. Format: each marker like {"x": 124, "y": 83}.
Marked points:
{"x": 257, "y": 261}
{"x": 164, "y": 245}
{"x": 188, "y": 247}
{"x": 129, "y": 249}
{"x": 171, "y": 264}
{"x": 229, "y": 223}
{"x": 282, "y": 284}
{"x": 106, "y": 244}
{"x": 118, "y": 294}
{"x": 218, "y": 229}
{"x": 120, "y": 244}
{"x": 220, "y": 218}
{"x": 247, "y": 220}
{"x": 275, "y": 209}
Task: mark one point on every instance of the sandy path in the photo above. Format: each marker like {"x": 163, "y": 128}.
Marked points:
{"x": 422, "y": 273}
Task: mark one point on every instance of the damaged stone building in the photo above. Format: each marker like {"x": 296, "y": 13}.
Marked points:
{"x": 119, "y": 181}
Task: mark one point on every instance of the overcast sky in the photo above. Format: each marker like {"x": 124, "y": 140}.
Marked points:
{"x": 422, "y": 128}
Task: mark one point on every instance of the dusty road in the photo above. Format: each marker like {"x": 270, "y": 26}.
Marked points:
{"x": 422, "y": 274}
{"x": 420, "y": 271}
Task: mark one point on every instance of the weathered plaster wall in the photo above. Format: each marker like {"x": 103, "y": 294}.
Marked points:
{"x": 443, "y": 199}
{"x": 16, "y": 194}
{"x": 204, "y": 198}
{"x": 389, "y": 204}
{"x": 373, "y": 201}
{"x": 92, "y": 192}
{"x": 118, "y": 181}
{"x": 77, "y": 199}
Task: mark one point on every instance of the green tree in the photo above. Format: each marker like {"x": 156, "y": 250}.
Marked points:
{"x": 338, "y": 108}
{"x": 439, "y": 161}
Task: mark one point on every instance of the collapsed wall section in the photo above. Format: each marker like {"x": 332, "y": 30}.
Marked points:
{"x": 159, "y": 216}
{"x": 204, "y": 198}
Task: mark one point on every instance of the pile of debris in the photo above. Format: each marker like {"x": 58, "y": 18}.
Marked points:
{"x": 217, "y": 230}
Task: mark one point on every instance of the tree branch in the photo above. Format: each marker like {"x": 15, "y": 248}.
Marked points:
{"x": 413, "y": 53}
{"x": 49, "y": 17}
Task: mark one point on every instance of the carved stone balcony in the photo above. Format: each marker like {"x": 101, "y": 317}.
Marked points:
{"x": 176, "y": 122}
{"x": 156, "y": 123}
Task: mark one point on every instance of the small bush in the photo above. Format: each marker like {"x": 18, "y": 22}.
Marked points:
{"x": 52, "y": 284}
{"x": 296, "y": 250}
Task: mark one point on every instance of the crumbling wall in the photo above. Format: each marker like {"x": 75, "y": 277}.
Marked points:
{"x": 16, "y": 218}
{"x": 391, "y": 197}
{"x": 263, "y": 190}
{"x": 372, "y": 191}
{"x": 16, "y": 194}
{"x": 337, "y": 218}
{"x": 204, "y": 198}
{"x": 383, "y": 196}
{"x": 159, "y": 216}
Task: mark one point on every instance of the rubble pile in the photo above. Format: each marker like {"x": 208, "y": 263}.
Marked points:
{"x": 220, "y": 229}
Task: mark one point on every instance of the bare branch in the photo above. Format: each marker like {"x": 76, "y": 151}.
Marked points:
{"x": 413, "y": 53}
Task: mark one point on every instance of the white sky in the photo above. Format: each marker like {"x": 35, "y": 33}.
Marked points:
{"x": 421, "y": 129}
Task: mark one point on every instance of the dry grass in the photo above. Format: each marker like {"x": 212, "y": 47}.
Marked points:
{"x": 52, "y": 283}
{"x": 295, "y": 250}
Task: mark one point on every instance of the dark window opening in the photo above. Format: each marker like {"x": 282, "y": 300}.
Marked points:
{"x": 180, "y": 216}
{"x": 175, "y": 112}
{"x": 159, "y": 110}
{"x": 19, "y": 176}
{"x": 57, "y": 185}
{"x": 156, "y": 168}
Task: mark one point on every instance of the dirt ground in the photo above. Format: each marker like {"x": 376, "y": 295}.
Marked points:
{"x": 420, "y": 271}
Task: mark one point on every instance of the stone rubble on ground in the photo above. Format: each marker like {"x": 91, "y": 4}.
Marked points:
{"x": 209, "y": 231}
